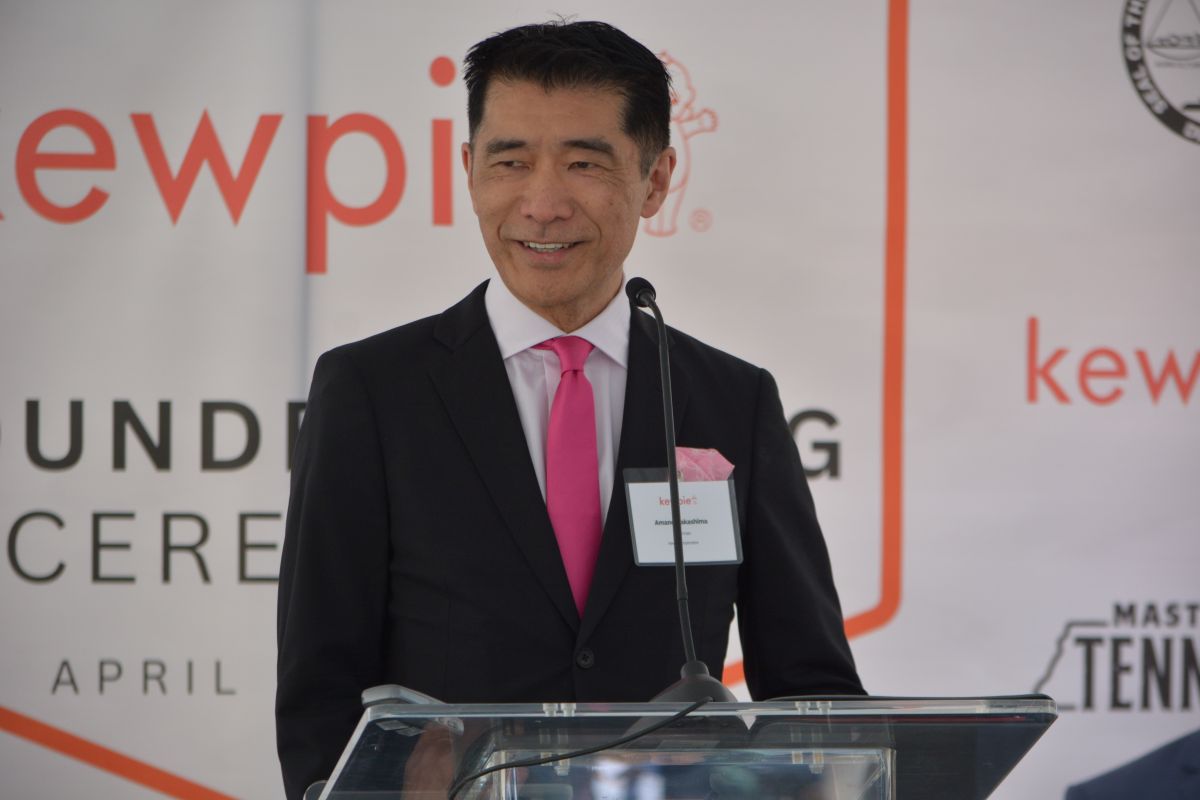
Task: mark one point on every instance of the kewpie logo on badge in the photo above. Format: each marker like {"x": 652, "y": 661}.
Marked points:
{"x": 686, "y": 122}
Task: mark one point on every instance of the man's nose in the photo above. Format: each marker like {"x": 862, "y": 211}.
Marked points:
{"x": 547, "y": 197}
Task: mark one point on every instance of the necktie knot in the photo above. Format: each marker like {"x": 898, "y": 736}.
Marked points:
{"x": 572, "y": 351}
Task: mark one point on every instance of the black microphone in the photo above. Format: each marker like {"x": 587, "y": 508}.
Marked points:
{"x": 640, "y": 292}
{"x": 696, "y": 683}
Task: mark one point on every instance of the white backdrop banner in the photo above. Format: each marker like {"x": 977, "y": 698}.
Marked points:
{"x": 963, "y": 236}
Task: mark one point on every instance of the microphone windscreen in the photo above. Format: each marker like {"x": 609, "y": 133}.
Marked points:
{"x": 638, "y": 289}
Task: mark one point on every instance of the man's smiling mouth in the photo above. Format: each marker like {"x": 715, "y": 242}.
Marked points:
{"x": 548, "y": 247}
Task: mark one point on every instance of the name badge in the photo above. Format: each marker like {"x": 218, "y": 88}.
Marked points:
{"x": 708, "y": 511}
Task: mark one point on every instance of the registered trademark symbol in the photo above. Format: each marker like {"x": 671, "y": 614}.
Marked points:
{"x": 701, "y": 220}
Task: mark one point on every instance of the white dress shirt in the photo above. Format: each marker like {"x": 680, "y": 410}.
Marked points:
{"x": 534, "y": 374}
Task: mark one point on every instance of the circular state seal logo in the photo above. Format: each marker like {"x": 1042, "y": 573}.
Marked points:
{"x": 1160, "y": 40}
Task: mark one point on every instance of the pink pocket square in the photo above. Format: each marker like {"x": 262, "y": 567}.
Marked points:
{"x": 701, "y": 464}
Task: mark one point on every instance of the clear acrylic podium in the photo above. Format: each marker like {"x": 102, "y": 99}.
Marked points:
{"x": 868, "y": 748}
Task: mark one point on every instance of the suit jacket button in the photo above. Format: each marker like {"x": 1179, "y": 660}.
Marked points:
{"x": 585, "y": 659}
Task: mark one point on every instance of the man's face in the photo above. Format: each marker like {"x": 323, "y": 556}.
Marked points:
{"x": 558, "y": 190}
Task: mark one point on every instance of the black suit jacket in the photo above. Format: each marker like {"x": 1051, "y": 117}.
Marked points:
{"x": 418, "y": 549}
{"x": 1171, "y": 772}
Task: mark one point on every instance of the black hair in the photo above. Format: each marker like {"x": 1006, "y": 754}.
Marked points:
{"x": 571, "y": 55}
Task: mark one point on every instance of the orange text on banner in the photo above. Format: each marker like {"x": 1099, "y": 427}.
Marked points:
{"x": 205, "y": 146}
{"x": 30, "y": 159}
{"x": 321, "y": 202}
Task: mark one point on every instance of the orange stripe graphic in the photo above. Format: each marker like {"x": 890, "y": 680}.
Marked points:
{"x": 733, "y": 674}
{"x": 893, "y": 323}
{"x": 101, "y": 757}
{"x": 893, "y": 335}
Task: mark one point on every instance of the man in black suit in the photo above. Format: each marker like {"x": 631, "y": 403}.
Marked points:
{"x": 419, "y": 549}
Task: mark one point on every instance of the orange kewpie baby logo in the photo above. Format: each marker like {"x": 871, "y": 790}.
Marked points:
{"x": 686, "y": 122}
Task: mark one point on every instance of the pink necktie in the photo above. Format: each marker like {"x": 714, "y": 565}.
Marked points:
{"x": 572, "y": 467}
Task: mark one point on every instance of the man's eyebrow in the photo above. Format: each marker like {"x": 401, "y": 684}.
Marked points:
{"x": 497, "y": 146}
{"x": 596, "y": 145}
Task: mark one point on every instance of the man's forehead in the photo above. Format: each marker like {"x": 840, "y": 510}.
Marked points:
{"x": 524, "y": 114}
{"x": 515, "y": 101}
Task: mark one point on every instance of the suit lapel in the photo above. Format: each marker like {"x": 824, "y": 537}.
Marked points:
{"x": 474, "y": 387}
{"x": 643, "y": 444}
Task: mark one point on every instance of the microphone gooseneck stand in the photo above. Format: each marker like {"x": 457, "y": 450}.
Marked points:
{"x": 695, "y": 683}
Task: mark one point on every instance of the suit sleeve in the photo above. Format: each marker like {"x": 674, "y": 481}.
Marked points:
{"x": 789, "y": 618}
{"x": 332, "y": 577}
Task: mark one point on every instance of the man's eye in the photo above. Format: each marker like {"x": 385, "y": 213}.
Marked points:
{"x": 584, "y": 165}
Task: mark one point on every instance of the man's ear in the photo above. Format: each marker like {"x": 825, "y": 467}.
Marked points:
{"x": 468, "y": 160}
{"x": 660, "y": 182}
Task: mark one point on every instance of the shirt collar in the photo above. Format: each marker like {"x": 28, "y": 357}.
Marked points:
{"x": 517, "y": 327}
